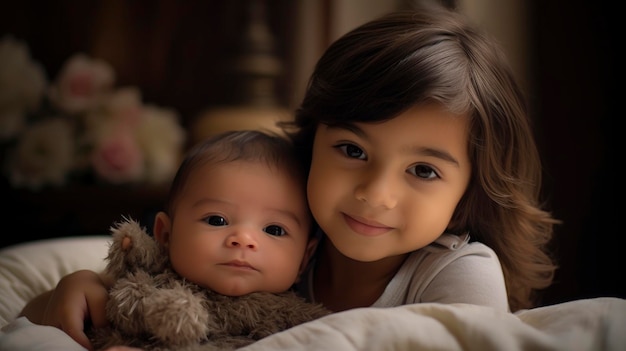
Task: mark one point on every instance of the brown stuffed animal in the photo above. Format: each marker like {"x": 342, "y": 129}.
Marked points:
{"x": 150, "y": 306}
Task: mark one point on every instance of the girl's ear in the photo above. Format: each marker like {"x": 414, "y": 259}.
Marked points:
{"x": 308, "y": 253}
{"x": 162, "y": 228}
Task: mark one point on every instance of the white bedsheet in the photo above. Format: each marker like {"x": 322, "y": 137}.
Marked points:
{"x": 593, "y": 324}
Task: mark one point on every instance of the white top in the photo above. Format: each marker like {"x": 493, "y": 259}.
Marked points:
{"x": 450, "y": 270}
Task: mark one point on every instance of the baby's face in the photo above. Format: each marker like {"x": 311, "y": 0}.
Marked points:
{"x": 384, "y": 189}
{"x": 240, "y": 227}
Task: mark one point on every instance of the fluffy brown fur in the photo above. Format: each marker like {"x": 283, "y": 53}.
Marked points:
{"x": 150, "y": 306}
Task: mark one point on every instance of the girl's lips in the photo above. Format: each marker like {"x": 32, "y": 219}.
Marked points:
{"x": 364, "y": 227}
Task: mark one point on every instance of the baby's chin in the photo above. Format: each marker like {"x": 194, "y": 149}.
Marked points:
{"x": 234, "y": 291}
{"x": 239, "y": 289}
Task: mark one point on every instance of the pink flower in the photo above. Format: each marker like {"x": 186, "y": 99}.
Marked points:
{"x": 82, "y": 84}
{"x": 117, "y": 158}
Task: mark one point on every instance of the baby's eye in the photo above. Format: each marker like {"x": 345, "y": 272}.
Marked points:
{"x": 423, "y": 171}
{"x": 352, "y": 151}
{"x": 216, "y": 221}
{"x": 275, "y": 230}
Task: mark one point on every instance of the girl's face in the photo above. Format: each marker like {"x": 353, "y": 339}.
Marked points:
{"x": 238, "y": 227}
{"x": 384, "y": 189}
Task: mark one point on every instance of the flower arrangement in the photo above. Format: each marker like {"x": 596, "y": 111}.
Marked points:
{"x": 80, "y": 126}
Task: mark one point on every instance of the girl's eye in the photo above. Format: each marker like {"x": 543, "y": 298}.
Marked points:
{"x": 275, "y": 230}
{"x": 216, "y": 221}
{"x": 423, "y": 171}
{"x": 352, "y": 151}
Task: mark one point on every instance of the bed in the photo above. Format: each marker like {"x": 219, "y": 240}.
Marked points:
{"x": 591, "y": 324}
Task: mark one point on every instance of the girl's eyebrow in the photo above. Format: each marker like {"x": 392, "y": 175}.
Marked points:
{"x": 427, "y": 151}
{"x": 350, "y": 127}
{"x": 440, "y": 154}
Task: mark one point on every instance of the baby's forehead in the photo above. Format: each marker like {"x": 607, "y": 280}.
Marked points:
{"x": 250, "y": 180}
{"x": 285, "y": 180}
{"x": 279, "y": 167}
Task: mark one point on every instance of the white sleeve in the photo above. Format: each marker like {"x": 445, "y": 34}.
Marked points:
{"x": 475, "y": 278}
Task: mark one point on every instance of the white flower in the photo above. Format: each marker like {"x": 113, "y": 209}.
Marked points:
{"x": 124, "y": 100}
{"x": 12, "y": 121}
{"x": 22, "y": 84}
{"x": 162, "y": 138}
{"x": 44, "y": 155}
{"x": 123, "y": 107}
{"x": 82, "y": 84}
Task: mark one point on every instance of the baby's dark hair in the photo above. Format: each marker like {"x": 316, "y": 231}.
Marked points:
{"x": 274, "y": 150}
{"x": 433, "y": 54}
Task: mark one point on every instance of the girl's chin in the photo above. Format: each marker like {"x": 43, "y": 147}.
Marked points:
{"x": 353, "y": 252}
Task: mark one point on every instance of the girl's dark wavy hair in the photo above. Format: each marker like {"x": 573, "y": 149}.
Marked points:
{"x": 388, "y": 65}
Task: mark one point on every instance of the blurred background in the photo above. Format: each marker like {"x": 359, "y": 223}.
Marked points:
{"x": 183, "y": 70}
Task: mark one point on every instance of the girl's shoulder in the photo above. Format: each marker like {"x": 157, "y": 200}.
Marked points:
{"x": 447, "y": 250}
{"x": 450, "y": 264}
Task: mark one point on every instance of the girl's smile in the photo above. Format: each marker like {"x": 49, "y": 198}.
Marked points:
{"x": 366, "y": 227}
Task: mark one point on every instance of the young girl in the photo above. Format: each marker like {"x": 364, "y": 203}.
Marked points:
{"x": 424, "y": 175}
{"x": 414, "y": 126}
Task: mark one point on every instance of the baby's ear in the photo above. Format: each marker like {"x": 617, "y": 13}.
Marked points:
{"x": 308, "y": 253}
{"x": 162, "y": 228}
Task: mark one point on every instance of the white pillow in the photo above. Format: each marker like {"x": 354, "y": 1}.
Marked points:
{"x": 31, "y": 268}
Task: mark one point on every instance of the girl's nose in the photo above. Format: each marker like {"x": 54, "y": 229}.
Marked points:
{"x": 242, "y": 238}
{"x": 378, "y": 189}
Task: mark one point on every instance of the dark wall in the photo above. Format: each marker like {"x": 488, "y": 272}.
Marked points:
{"x": 578, "y": 104}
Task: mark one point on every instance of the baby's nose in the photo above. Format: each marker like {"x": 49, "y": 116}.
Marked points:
{"x": 242, "y": 238}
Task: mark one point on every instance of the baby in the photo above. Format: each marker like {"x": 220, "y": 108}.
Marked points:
{"x": 225, "y": 254}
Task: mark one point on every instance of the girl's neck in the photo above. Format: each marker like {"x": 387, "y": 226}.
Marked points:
{"x": 341, "y": 283}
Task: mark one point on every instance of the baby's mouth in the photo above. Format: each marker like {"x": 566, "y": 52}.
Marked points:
{"x": 239, "y": 264}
